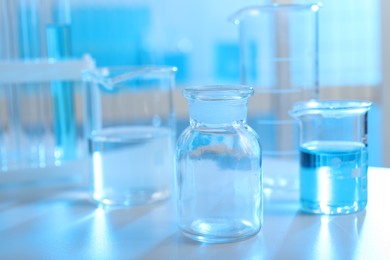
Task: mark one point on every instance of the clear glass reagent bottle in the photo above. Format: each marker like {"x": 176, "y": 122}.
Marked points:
{"x": 219, "y": 171}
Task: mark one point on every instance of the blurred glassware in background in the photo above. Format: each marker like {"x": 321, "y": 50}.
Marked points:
{"x": 333, "y": 155}
{"x": 36, "y": 36}
{"x": 28, "y": 133}
{"x": 35, "y": 29}
{"x": 279, "y": 58}
{"x": 130, "y": 129}
{"x": 205, "y": 50}
{"x": 58, "y": 44}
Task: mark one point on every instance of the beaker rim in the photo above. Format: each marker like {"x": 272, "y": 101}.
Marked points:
{"x": 148, "y": 68}
{"x": 218, "y": 92}
{"x": 255, "y": 10}
{"x": 330, "y": 106}
{"x": 131, "y": 70}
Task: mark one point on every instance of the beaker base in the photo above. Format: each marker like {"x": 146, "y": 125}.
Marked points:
{"x": 324, "y": 208}
{"x": 220, "y": 230}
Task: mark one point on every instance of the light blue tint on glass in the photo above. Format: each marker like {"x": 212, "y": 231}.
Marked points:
{"x": 59, "y": 47}
{"x": 333, "y": 177}
{"x": 333, "y": 155}
{"x": 130, "y": 129}
{"x": 219, "y": 170}
{"x": 30, "y": 45}
{"x": 278, "y": 56}
{"x": 202, "y": 49}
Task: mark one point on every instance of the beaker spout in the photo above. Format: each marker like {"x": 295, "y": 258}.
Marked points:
{"x": 111, "y": 79}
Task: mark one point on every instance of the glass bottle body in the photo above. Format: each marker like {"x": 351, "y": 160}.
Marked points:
{"x": 219, "y": 181}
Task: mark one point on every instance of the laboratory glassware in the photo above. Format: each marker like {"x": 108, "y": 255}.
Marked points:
{"x": 59, "y": 47}
{"x": 131, "y": 130}
{"x": 333, "y": 155}
{"x": 37, "y": 29}
{"x": 279, "y": 57}
{"x": 219, "y": 171}
{"x": 27, "y": 119}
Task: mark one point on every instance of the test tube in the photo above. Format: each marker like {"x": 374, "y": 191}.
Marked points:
{"x": 58, "y": 43}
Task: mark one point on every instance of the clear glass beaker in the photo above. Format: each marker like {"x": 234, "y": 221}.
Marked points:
{"x": 333, "y": 155}
{"x": 131, "y": 132}
{"x": 219, "y": 174}
{"x": 278, "y": 56}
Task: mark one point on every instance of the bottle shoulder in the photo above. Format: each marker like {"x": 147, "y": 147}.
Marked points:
{"x": 237, "y": 134}
{"x": 233, "y": 129}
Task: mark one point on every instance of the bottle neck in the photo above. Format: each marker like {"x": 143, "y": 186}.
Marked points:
{"x": 218, "y": 111}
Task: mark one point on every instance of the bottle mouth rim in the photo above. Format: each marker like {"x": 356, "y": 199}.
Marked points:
{"x": 218, "y": 92}
{"x": 330, "y": 107}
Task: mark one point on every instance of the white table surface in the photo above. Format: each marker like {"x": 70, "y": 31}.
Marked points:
{"x": 57, "y": 221}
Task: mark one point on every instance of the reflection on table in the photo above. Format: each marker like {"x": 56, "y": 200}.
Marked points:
{"x": 58, "y": 221}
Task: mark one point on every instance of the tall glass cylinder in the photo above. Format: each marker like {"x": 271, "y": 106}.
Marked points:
{"x": 278, "y": 56}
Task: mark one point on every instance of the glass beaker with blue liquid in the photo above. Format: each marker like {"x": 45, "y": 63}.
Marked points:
{"x": 131, "y": 132}
{"x": 333, "y": 155}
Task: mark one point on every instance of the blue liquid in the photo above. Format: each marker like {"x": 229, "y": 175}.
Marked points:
{"x": 333, "y": 177}
{"x": 58, "y": 41}
{"x": 59, "y": 47}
